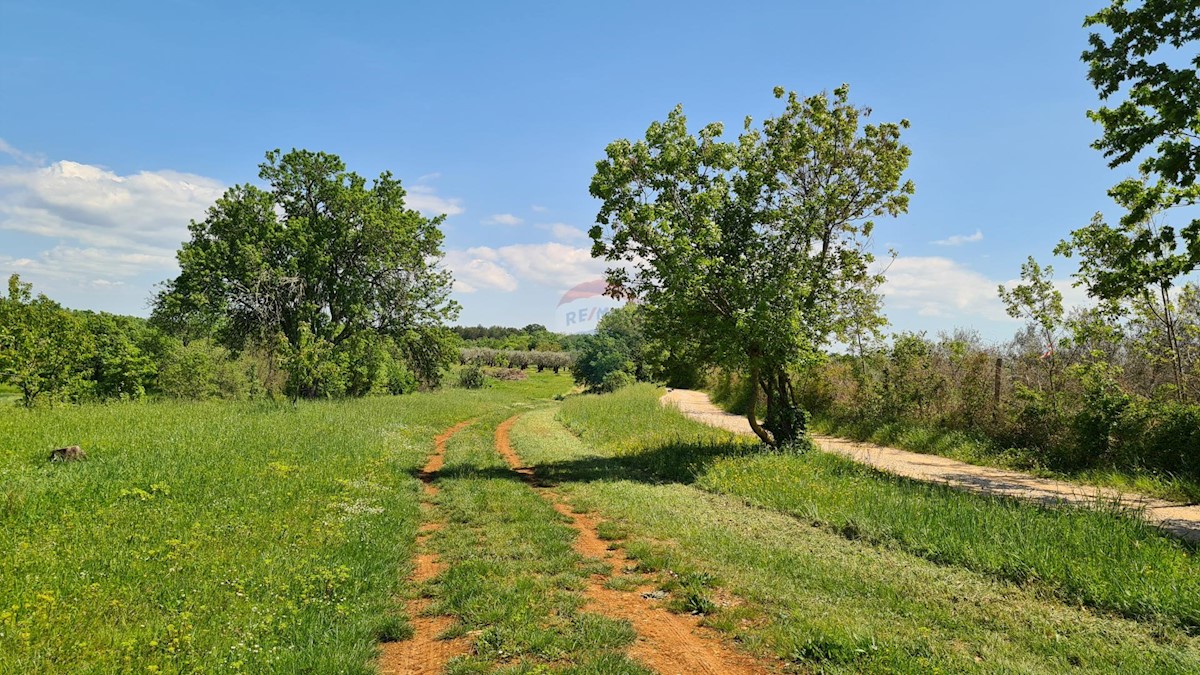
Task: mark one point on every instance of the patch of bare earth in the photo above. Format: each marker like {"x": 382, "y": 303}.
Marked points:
{"x": 1181, "y": 520}
{"x": 666, "y": 642}
{"x": 425, "y": 652}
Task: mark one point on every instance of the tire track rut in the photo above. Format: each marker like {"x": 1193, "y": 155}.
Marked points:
{"x": 424, "y": 653}
{"x": 666, "y": 642}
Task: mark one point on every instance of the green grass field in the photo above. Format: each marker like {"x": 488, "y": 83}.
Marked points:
{"x": 859, "y": 572}
{"x": 215, "y": 537}
{"x": 272, "y": 538}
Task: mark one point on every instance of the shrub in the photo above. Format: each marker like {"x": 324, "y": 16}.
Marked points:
{"x": 398, "y": 379}
{"x": 471, "y": 377}
{"x": 615, "y": 380}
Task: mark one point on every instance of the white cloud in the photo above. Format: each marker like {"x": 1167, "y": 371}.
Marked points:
{"x": 564, "y": 232}
{"x": 502, "y": 219}
{"x": 476, "y": 269}
{"x": 550, "y": 265}
{"x": 960, "y": 239}
{"x": 146, "y": 212}
{"x": 101, "y": 229}
{"x": 538, "y": 209}
{"x": 425, "y": 199}
{"x": 940, "y": 287}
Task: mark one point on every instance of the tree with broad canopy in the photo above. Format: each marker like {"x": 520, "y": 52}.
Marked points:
{"x": 317, "y": 263}
{"x": 742, "y": 250}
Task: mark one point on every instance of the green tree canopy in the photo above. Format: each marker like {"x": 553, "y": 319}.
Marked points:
{"x": 1147, "y": 54}
{"x": 740, "y": 249}
{"x": 44, "y": 349}
{"x": 318, "y": 257}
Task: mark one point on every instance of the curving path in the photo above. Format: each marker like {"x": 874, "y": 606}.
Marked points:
{"x": 668, "y": 643}
{"x": 1182, "y": 520}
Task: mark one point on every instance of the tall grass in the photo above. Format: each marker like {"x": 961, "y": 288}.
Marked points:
{"x": 817, "y": 600}
{"x": 1105, "y": 559}
{"x": 215, "y": 537}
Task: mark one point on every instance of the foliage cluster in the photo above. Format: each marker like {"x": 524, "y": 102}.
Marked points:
{"x": 52, "y": 354}
{"x": 336, "y": 280}
{"x": 622, "y": 352}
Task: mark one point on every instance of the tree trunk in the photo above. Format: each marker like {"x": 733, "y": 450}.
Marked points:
{"x": 785, "y": 420}
{"x": 752, "y": 410}
{"x": 1173, "y": 341}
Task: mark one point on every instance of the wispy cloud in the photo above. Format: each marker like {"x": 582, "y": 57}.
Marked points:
{"x": 478, "y": 269}
{"x": 536, "y": 208}
{"x": 960, "y": 239}
{"x": 7, "y": 149}
{"x": 502, "y": 219}
{"x": 550, "y": 265}
{"x": 934, "y": 286}
{"x": 426, "y": 200}
{"x": 564, "y": 232}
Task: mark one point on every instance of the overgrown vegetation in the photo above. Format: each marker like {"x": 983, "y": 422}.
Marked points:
{"x": 897, "y": 576}
{"x": 1095, "y": 400}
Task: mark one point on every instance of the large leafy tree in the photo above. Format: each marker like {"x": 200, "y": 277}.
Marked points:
{"x": 317, "y": 262}
{"x": 1147, "y": 56}
{"x": 739, "y": 249}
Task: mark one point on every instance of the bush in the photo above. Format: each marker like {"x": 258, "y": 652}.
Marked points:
{"x": 471, "y": 377}
{"x": 615, "y": 380}
{"x": 200, "y": 370}
{"x": 600, "y": 357}
{"x": 398, "y": 379}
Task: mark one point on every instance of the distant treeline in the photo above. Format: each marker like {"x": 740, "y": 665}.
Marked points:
{"x": 534, "y": 337}
{"x": 49, "y": 353}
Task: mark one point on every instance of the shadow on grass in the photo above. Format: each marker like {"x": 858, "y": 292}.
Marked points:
{"x": 677, "y": 462}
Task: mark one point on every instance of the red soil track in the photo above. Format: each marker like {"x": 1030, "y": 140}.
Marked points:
{"x": 424, "y": 653}
{"x": 666, "y": 642}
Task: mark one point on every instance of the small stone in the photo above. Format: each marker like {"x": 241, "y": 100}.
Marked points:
{"x": 71, "y": 453}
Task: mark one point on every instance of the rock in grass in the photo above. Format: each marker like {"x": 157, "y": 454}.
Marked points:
{"x": 72, "y": 453}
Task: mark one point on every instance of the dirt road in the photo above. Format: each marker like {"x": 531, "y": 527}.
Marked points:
{"x": 1182, "y": 520}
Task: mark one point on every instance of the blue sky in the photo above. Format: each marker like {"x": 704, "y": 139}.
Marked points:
{"x": 120, "y": 121}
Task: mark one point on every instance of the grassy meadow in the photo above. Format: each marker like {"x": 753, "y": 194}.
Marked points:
{"x": 830, "y": 566}
{"x": 277, "y": 538}
{"x": 216, "y": 537}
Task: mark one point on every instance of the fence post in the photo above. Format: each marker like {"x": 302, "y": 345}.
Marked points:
{"x": 996, "y": 388}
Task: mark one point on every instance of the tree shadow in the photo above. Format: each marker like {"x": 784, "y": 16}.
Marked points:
{"x": 674, "y": 462}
